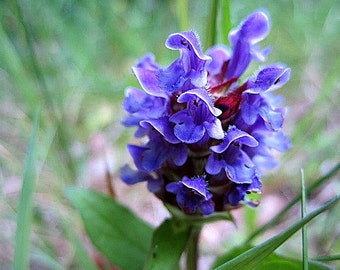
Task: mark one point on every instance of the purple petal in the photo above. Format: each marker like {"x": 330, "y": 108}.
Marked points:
{"x": 173, "y": 187}
{"x": 148, "y": 62}
{"x": 192, "y": 195}
{"x": 258, "y": 54}
{"x": 207, "y": 207}
{"x": 255, "y": 186}
{"x": 241, "y": 171}
{"x": 133, "y": 96}
{"x": 192, "y": 61}
{"x": 185, "y": 129}
{"x": 240, "y": 60}
{"x": 235, "y": 135}
{"x": 149, "y": 81}
{"x": 269, "y": 78}
{"x": 154, "y": 157}
{"x": 273, "y": 118}
{"x": 214, "y": 165}
{"x": 277, "y": 141}
{"x": 130, "y": 176}
{"x": 188, "y": 132}
{"x": 203, "y": 95}
{"x": 136, "y": 153}
{"x": 178, "y": 154}
{"x": 187, "y": 42}
{"x": 143, "y": 106}
{"x": 249, "y": 112}
{"x": 219, "y": 54}
{"x": 253, "y": 29}
{"x": 155, "y": 185}
{"x": 162, "y": 125}
{"x": 214, "y": 129}
{"x": 196, "y": 184}
{"x": 172, "y": 78}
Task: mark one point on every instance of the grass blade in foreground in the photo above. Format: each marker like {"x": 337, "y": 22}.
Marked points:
{"x": 24, "y": 217}
{"x": 285, "y": 210}
{"x": 116, "y": 232}
{"x": 254, "y": 256}
{"x": 304, "y": 228}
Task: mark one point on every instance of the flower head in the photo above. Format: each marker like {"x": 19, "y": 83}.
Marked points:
{"x": 208, "y": 135}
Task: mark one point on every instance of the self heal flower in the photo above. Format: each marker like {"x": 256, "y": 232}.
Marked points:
{"x": 239, "y": 192}
{"x": 207, "y": 137}
{"x": 192, "y": 195}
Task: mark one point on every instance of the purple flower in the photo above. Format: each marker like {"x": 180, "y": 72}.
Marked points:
{"x": 198, "y": 119}
{"x": 206, "y": 136}
{"x": 192, "y": 195}
{"x": 239, "y": 192}
{"x": 229, "y": 157}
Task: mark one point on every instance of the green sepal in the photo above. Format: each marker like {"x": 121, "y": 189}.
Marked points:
{"x": 196, "y": 220}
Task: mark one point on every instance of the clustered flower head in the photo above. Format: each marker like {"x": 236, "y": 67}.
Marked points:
{"x": 207, "y": 135}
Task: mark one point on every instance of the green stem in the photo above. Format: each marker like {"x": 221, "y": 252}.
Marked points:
{"x": 192, "y": 248}
{"x": 304, "y": 227}
{"x": 212, "y": 24}
{"x": 225, "y": 20}
{"x": 182, "y": 14}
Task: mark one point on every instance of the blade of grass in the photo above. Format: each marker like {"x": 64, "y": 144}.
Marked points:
{"x": 254, "y": 256}
{"x": 285, "y": 210}
{"x": 46, "y": 260}
{"x": 13, "y": 65}
{"x": 62, "y": 136}
{"x": 24, "y": 216}
{"x": 329, "y": 258}
{"x": 304, "y": 228}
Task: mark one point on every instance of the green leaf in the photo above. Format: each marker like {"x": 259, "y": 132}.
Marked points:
{"x": 168, "y": 243}
{"x": 254, "y": 256}
{"x": 116, "y": 232}
{"x": 25, "y": 208}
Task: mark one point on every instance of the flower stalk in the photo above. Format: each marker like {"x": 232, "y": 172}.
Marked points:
{"x": 192, "y": 252}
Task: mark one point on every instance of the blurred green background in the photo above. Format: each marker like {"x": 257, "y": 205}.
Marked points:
{"x": 71, "y": 60}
